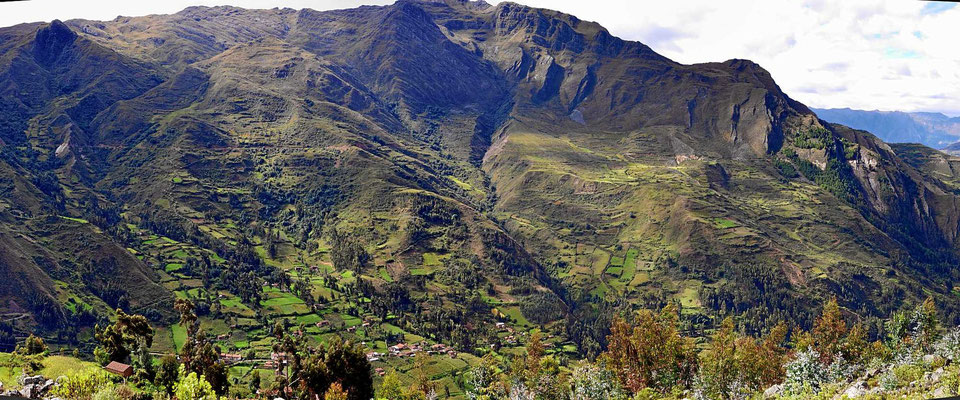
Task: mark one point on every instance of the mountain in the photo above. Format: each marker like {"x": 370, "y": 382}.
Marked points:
{"x": 437, "y": 166}
{"x": 931, "y": 129}
{"x": 952, "y": 149}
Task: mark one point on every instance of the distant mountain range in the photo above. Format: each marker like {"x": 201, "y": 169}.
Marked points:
{"x": 932, "y": 129}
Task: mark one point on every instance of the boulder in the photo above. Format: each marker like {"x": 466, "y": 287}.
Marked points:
{"x": 773, "y": 391}
{"x": 46, "y": 386}
{"x": 31, "y": 380}
{"x": 936, "y": 375}
{"x": 856, "y": 390}
{"x": 29, "y": 391}
{"x": 941, "y": 392}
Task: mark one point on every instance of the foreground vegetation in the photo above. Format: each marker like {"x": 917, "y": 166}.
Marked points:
{"x": 648, "y": 357}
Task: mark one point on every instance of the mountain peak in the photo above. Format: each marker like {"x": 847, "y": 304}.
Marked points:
{"x": 51, "y": 40}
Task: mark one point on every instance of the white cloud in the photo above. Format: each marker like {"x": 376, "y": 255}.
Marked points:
{"x": 867, "y": 54}
{"x": 876, "y": 54}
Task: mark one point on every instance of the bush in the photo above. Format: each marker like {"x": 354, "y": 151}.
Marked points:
{"x": 805, "y": 372}
{"x": 193, "y": 387}
{"x": 948, "y": 346}
{"x": 107, "y": 393}
{"x": 82, "y": 384}
{"x": 591, "y": 382}
{"x": 901, "y": 376}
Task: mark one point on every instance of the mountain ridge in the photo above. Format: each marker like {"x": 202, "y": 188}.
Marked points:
{"x": 932, "y": 129}
{"x": 443, "y": 154}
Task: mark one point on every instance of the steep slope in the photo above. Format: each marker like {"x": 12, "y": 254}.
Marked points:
{"x": 438, "y": 164}
{"x": 614, "y": 153}
{"x": 61, "y": 268}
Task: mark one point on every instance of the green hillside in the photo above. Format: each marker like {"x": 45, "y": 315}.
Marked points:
{"x": 422, "y": 172}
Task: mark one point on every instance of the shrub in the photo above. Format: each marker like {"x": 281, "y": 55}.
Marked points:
{"x": 900, "y": 376}
{"x": 591, "y": 382}
{"x": 107, "y": 393}
{"x": 193, "y": 387}
{"x": 805, "y": 372}
{"x": 948, "y": 346}
{"x": 82, "y": 384}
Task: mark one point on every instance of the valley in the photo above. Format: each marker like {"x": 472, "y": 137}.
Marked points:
{"x": 480, "y": 184}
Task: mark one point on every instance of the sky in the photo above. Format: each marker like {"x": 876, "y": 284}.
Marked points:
{"x": 864, "y": 54}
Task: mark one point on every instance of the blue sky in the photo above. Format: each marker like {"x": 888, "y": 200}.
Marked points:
{"x": 865, "y": 54}
{"x": 936, "y": 7}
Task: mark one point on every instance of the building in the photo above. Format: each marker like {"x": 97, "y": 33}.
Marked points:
{"x": 231, "y": 358}
{"x": 399, "y": 347}
{"x": 120, "y": 369}
{"x": 374, "y": 356}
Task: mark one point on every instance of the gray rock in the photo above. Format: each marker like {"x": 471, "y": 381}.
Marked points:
{"x": 31, "y": 380}
{"x": 773, "y": 391}
{"x": 858, "y": 389}
{"x": 577, "y": 116}
{"x": 929, "y": 359}
{"x": 941, "y": 392}
{"x": 29, "y": 391}
{"x": 936, "y": 375}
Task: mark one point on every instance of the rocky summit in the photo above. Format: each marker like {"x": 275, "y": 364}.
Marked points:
{"x": 435, "y": 168}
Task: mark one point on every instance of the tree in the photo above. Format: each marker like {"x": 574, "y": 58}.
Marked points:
{"x": 311, "y": 371}
{"x": 198, "y": 354}
{"x": 829, "y": 331}
{"x": 348, "y": 365}
{"x": 718, "y": 365}
{"x": 422, "y": 385}
{"x": 914, "y": 330}
{"x": 535, "y": 351}
{"x": 484, "y": 380}
{"x": 168, "y": 374}
{"x": 651, "y": 353}
{"x": 927, "y": 324}
{"x": 391, "y": 388}
{"x": 766, "y": 367}
{"x": 255, "y": 382}
{"x": 346, "y": 253}
{"x": 32, "y": 345}
{"x": 592, "y": 382}
{"x": 736, "y": 362}
{"x": 143, "y": 364}
{"x": 193, "y": 387}
{"x": 336, "y": 392}
{"x": 128, "y": 332}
